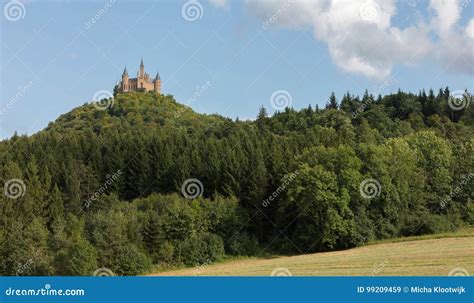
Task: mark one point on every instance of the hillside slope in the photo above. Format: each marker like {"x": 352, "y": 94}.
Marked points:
{"x": 134, "y": 110}
{"x": 452, "y": 254}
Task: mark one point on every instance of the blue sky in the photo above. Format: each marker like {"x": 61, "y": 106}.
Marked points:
{"x": 51, "y": 61}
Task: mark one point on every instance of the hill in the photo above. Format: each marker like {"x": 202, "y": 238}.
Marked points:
{"x": 141, "y": 180}
{"x": 447, "y": 254}
{"x": 134, "y": 111}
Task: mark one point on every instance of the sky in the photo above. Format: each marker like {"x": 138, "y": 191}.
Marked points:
{"x": 227, "y": 57}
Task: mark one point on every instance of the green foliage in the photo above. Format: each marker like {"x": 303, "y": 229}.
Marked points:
{"x": 325, "y": 220}
{"x": 242, "y": 244}
{"x": 426, "y": 223}
{"x": 76, "y": 258}
{"x": 128, "y": 260}
{"x": 103, "y": 187}
{"x": 200, "y": 249}
{"x": 74, "y": 255}
{"x": 25, "y": 250}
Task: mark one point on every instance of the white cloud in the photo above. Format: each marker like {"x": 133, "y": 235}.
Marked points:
{"x": 447, "y": 14}
{"x": 455, "y": 48}
{"x": 361, "y": 38}
{"x": 358, "y": 33}
{"x": 455, "y": 52}
{"x": 470, "y": 29}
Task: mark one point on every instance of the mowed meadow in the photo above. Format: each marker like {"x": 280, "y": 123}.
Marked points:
{"x": 434, "y": 255}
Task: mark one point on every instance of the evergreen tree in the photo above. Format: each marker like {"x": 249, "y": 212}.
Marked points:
{"x": 262, "y": 117}
{"x": 332, "y": 102}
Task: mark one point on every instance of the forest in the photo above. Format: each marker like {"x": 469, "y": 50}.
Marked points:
{"x": 148, "y": 182}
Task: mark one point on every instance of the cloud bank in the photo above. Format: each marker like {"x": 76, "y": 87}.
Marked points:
{"x": 362, "y": 39}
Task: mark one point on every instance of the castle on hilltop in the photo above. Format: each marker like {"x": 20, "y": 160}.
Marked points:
{"x": 142, "y": 83}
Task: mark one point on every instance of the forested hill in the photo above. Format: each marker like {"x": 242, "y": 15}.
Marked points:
{"x": 142, "y": 180}
{"x": 134, "y": 112}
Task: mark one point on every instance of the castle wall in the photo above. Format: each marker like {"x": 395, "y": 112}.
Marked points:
{"x": 135, "y": 84}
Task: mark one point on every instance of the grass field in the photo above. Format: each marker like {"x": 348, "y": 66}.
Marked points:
{"x": 415, "y": 256}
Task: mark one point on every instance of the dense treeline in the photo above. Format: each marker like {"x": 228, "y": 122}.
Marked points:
{"x": 104, "y": 188}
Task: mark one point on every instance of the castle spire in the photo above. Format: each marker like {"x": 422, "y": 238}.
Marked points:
{"x": 125, "y": 71}
{"x": 141, "y": 72}
{"x": 157, "y": 76}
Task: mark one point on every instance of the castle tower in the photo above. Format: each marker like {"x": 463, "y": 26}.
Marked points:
{"x": 157, "y": 83}
{"x": 125, "y": 85}
{"x": 141, "y": 74}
